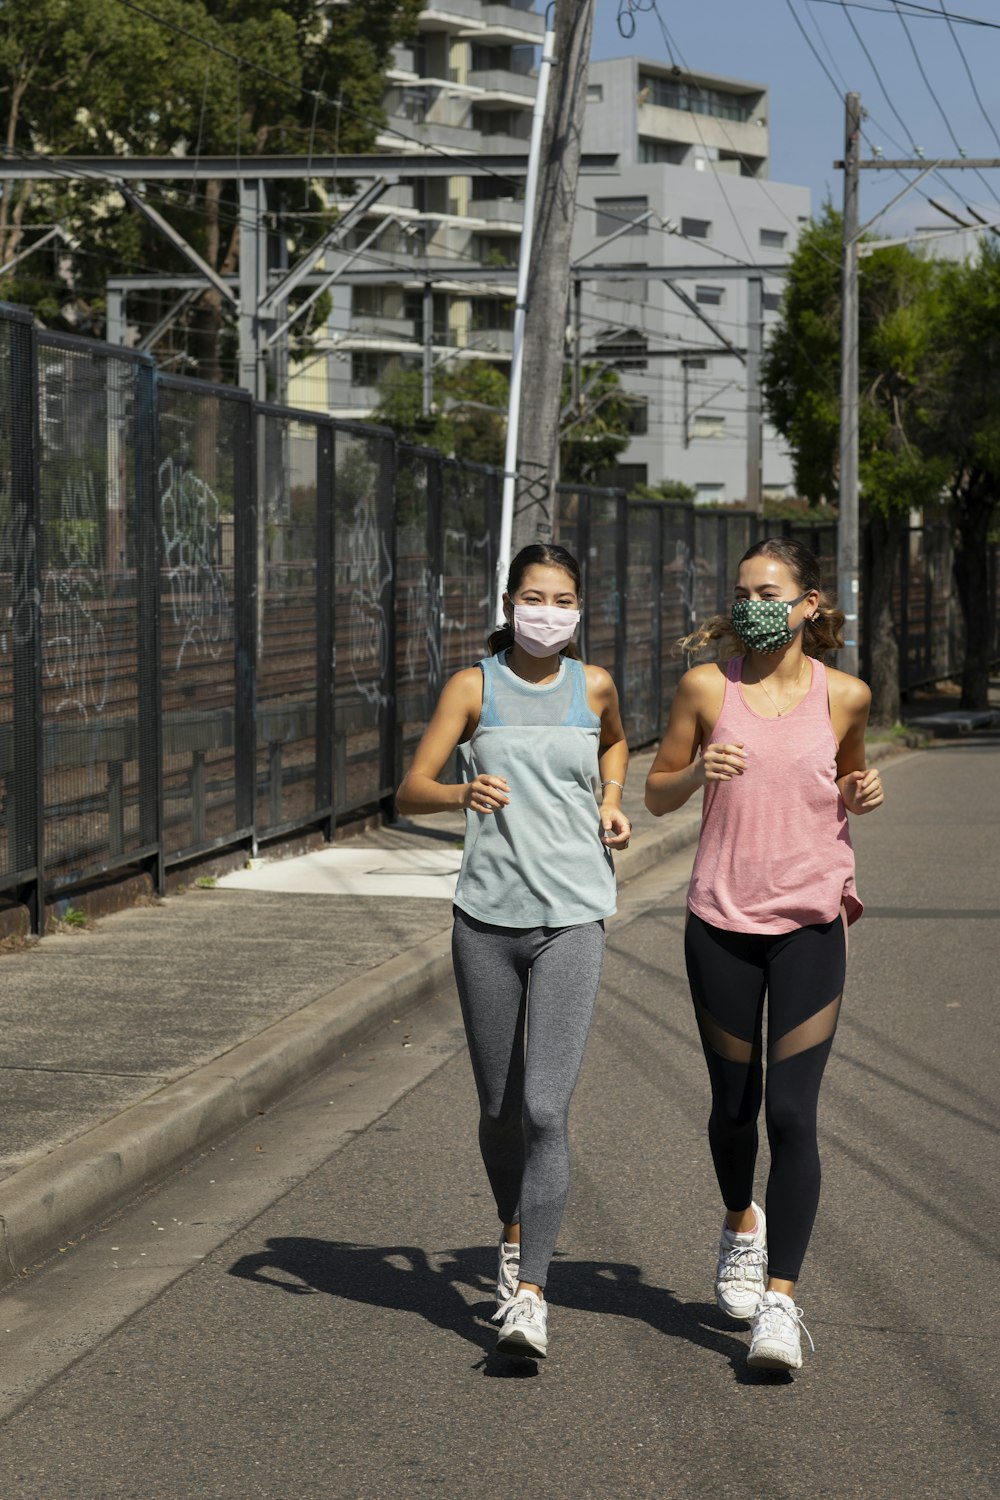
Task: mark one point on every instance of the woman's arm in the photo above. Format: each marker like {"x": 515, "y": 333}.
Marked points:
{"x": 850, "y": 703}
{"x": 612, "y": 758}
{"x": 453, "y": 721}
{"x": 678, "y": 769}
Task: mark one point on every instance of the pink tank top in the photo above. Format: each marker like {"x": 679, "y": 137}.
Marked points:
{"x": 775, "y": 852}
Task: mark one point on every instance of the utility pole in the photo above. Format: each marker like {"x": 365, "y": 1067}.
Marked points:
{"x": 427, "y": 368}
{"x": 847, "y": 525}
{"x": 545, "y": 333}
{"x": 755, "y": 427}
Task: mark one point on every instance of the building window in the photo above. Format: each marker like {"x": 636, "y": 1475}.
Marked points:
{"x": 683, "y": 93}
{"x": 625, "y": 476}
{"x": 772, "y": 301}
{"x": 696, "y": 229}
{"x": 710, "y": 296}
{"x": 710, "y": 494}
{"x": 619, "y": 214}
{"x": 638, "y": 417}
{"x": 694, "y": 362}
{"x": 666, "y": 152}
{"x": 626, "y": 350}
{"x": 366, "y": 368}
{"x": 773, "y": 239}
{"x": 705, "y": 424}
{"x": 367, "y": 301}
{"x": 595, "y": 93}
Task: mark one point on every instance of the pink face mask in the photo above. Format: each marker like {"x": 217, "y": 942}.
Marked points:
{"x": 543, "y": 629}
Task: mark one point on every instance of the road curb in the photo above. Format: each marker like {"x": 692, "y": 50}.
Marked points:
{"x": 61, "y": 1196}
{"x": 76, "y": 1186}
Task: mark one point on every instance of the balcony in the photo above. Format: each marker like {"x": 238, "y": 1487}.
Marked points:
{"x": 451, "y": 15}
{"x": 498, "y": 213}
{"x": 681, "y": 127}
{"x": 503, "y": 87}
{"x": 383, "y": 327}
{"x": 507, "y": 23}
{"x": 491, "y": 341}
{"x": 461, "y": 139}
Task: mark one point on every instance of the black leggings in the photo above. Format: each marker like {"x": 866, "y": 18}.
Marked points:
{"x": 802, "y": 974}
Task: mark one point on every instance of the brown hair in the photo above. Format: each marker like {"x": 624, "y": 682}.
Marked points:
{"x": 536, "y": 554}
{"x": 821, "y": 634}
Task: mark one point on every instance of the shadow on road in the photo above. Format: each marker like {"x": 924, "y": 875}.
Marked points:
{"x": 404, "y": 1278}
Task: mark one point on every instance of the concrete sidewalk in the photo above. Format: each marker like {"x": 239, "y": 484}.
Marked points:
{"x": 131, "y": 1046}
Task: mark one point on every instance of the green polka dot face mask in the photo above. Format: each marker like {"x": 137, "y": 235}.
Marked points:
{"x": 762, "y": 624}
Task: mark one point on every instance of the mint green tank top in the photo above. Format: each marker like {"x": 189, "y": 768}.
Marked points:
{"x": 540, "y": 862}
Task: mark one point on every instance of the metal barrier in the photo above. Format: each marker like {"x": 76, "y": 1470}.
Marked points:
{"x": 223, "y": 621}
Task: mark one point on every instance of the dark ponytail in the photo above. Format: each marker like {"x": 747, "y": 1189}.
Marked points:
{"x": 536, "y": 554}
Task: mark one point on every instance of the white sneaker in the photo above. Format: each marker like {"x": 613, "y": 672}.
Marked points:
{"x": 508, "y": 1265}
{"x": 741, "y": 1274}
{"x": 522, "y": 1320}
{"x": 775, "y": 1343}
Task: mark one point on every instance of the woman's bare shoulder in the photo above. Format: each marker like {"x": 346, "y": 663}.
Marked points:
{"x": 848, "y": 692}
{"x": 703, "y": 682}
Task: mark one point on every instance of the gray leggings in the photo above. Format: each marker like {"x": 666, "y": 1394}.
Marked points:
{"x": 525, "y": 1090}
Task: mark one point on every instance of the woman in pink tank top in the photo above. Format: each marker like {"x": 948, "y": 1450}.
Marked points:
{"x": 777, "y": 740}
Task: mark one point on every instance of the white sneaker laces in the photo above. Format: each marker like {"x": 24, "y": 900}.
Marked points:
{"x": 521, "y": 1305}
{"x": 770, "y": 1318}
{"x": 740, "y": 1259}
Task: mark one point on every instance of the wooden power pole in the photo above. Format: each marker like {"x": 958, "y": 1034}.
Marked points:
{"x": 545, "y": 327}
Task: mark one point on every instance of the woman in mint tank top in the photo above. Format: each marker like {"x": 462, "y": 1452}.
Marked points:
{"x": 544, "y": 758}
{"x": 777, "y": 741}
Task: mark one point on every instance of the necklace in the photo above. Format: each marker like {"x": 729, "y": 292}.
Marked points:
{"x": 767, "y": 695}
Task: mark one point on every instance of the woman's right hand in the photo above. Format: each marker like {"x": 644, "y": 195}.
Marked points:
{"x": 723, "y": 762}
{"x": 487, "y": 794}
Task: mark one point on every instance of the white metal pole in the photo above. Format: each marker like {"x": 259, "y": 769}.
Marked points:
{"x": 520, "y": 307}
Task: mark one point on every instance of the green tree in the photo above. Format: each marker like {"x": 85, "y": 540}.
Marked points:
{"x": 962, "y": 430}
{"x": 801, "y": 378}
{"x": 668, "y": 489}
{"x": 96, "y": 77}
{"x": 469, "y": 417}
{"x": 592, "y": 439}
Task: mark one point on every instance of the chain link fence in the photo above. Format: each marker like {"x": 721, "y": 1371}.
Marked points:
{"x": 223, "y": 621}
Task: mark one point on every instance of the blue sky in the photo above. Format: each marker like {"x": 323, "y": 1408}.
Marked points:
{"x": 759, "y": 40}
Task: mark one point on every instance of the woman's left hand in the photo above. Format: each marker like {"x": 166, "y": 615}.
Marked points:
{"x": 616, "y": 829}
{"x": 862, "y": 791}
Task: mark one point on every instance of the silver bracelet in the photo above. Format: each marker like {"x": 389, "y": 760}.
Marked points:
{"x": 611, "y": 782}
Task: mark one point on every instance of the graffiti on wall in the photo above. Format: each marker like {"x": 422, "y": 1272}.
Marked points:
{"x": 191, "y": 522}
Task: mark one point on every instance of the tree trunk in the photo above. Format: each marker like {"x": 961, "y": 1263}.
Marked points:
{"x": 885, "y": 534}
{"x": 207, "y": 320}
{"x": 548, "y": 290}
{"x": 972, "y": 584}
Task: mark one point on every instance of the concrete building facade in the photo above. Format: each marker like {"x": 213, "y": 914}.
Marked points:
{"x": 691, "y": 191}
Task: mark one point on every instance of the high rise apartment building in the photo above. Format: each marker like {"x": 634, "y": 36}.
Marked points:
{"x": 691, "y": 193}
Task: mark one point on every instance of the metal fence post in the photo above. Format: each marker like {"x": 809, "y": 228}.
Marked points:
{"x": 325, "y": 797}
{"x": 435, "y": 567}
{"x": 621, "y": 588}
{"x": 148, "y": 533}
{"x": 905, "y": 673}
{"x": 390, "y": 748}
{"x": 25, "y": 790}
{"x": 247, "y": 605}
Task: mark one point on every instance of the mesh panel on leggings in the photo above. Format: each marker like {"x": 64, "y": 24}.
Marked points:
{"x": 811, "y": 1032}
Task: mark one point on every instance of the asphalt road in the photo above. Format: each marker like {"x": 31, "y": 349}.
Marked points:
{"x": 304, "y": 1311}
